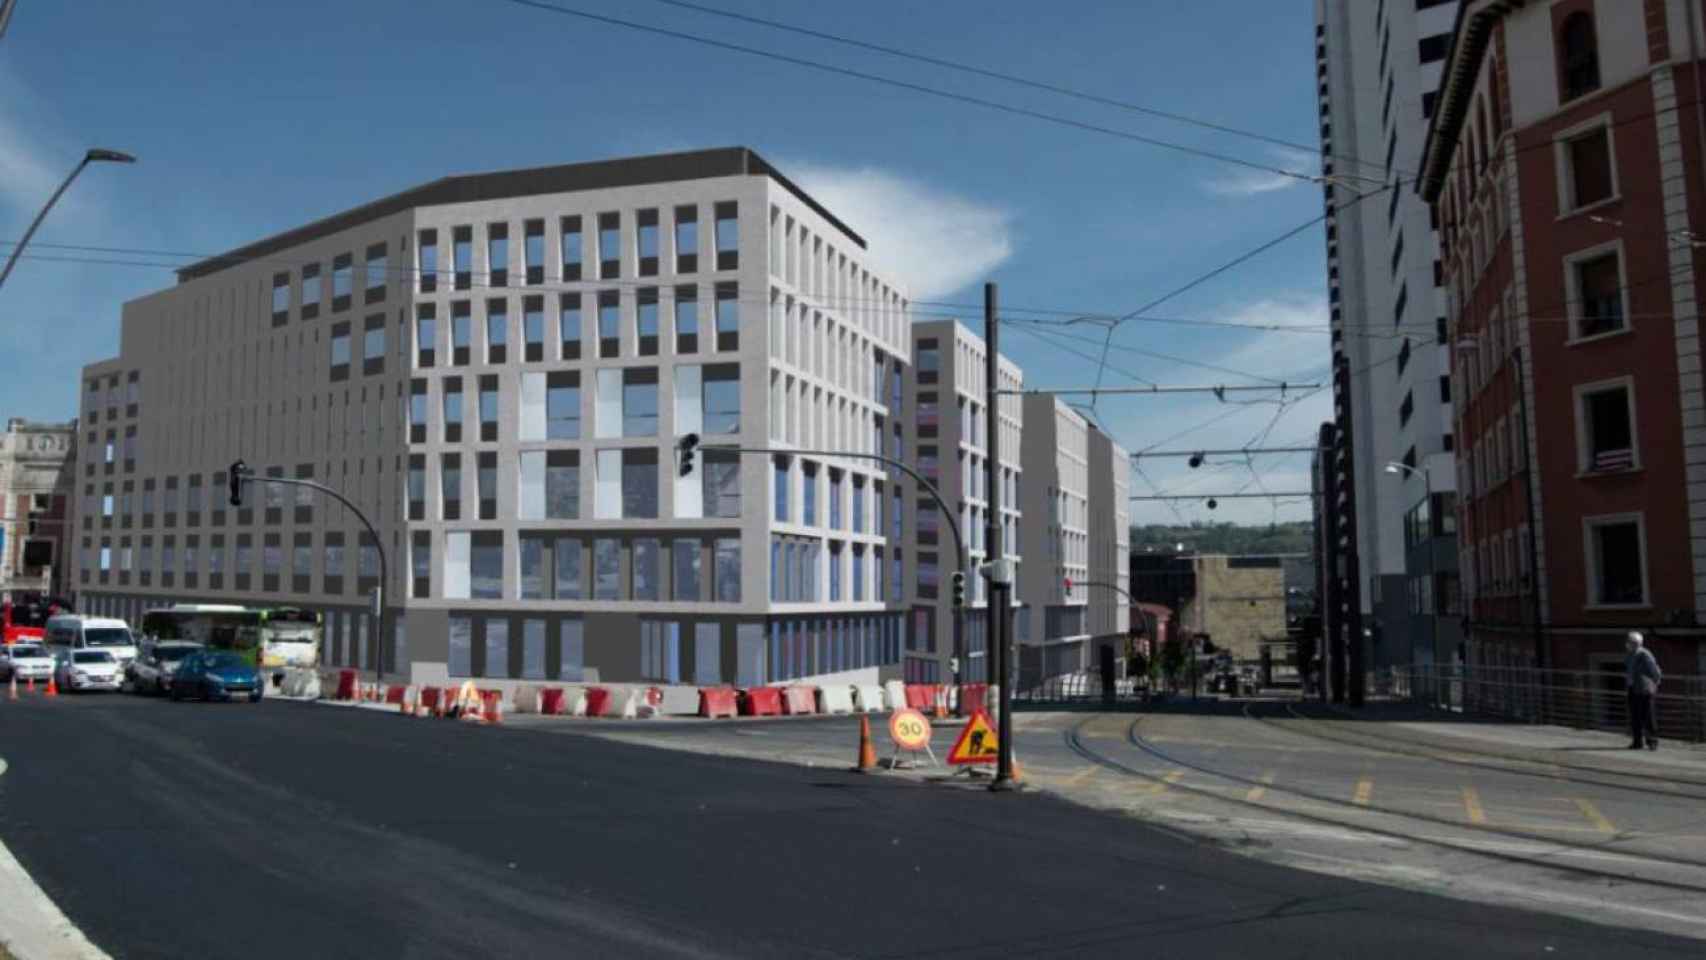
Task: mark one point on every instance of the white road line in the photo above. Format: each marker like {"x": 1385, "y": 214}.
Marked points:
{"x": 31, "y": 927}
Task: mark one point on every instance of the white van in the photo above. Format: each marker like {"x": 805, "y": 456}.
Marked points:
{"x": 69, "y": 632}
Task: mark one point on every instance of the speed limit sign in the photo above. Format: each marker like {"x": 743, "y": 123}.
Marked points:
{"x": 909, "y": 730}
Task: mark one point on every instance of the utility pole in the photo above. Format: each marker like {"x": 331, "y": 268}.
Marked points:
{"x": 1000, "y": 585}
{"x": 1354, "y": 640}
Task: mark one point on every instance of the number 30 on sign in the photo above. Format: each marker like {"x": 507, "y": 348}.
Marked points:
{"x": 909, "y": 729}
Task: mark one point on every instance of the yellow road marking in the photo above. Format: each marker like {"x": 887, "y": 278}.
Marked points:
{"x": 1595, "y": 817}
{"x": 1078, "y": 778}
{"x": 1257, "y": 792}
{"x": 1472, "y": 806}
{"x": 1365, "y": 792}
{"x": 1168, "y": 780}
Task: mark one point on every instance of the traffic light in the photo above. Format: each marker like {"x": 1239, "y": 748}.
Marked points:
{"x": 685, "y": 448}
{"x": 1212, "y": 503}
{"x": 1196, "y": 460}
{"x": 959, "y": 590}
{"x": 235, "y": 476}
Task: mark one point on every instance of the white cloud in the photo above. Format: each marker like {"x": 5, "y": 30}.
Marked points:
{"x": 28, "y": 170}
{"x": 934, "y": 241}
{"x": 1249, "y": 182}
{"x": 1296, "y": 345}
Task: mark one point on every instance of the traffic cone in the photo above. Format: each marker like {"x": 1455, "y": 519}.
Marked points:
{"x": 52, "y": 687}
{"x": 867, "y": 750}
{"x": 12, "y": 688}
{"x": 31, "y": 685}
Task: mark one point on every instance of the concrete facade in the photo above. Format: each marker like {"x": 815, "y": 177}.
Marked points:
{"x": 1239, "y": 604}
{"x": 1052, "y": 628}
{"x": 1565, "y": 168}
{"x": 947, "y": 404}
{"x": 1110, "y": 545}
{"x": 495, "y": 368}
{"x": 36, "y": 493}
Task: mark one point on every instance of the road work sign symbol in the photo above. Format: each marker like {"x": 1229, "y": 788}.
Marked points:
{"x": 977, "y": 742}
{"x": 909, "y": 730}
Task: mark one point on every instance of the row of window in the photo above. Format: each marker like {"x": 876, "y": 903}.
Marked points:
{"x": 812, "y": 266}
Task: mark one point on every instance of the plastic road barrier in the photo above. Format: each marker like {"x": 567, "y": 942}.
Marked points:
{"x": 799, "y": 699}
{"x": 762, "y": 702}
{"x": 971, "y": 699}
{"x": 918, "y": 696}
{"x": 679, "y": 701}
{"x": 835, "y": 698}
{"x": 868, "y": 698}
{"x": 394, "y": 695}
{"x": 894, "y": 692}
{"x": 551, "y": 701}
{"x": 717, "y": 702}
{"x": 492, "y": 705}
{"x": 430, "y": 701}
{"x": 597, "y": 701}
{"x": 346, "y": 685}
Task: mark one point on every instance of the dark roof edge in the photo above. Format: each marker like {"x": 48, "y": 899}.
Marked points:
{"x": 566, "y": 178}
{"x": 1468, "y": 47}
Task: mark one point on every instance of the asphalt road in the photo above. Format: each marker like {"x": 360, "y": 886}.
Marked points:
{"x": 287, "y": 830}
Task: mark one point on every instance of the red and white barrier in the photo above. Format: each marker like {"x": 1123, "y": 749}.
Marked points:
{"x": 717, "y": 702}
{"x": 835, "y": 698}
{"x": 868, "y": 698}
{"x": 799, "y": 700}
{"x": 761, "y": 702}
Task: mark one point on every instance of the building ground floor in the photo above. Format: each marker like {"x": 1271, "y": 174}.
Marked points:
{"x": 1596, "y": 649}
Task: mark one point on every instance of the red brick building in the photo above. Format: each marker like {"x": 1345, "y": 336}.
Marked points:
{"x": 1564, "y": 167}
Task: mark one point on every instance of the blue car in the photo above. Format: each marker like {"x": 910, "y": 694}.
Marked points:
{"x": 216, "y": 675}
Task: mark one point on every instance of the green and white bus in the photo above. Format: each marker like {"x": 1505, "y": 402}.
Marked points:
{"x": 272, "y": 638}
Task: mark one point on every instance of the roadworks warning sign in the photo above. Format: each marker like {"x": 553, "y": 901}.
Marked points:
{"x": 977, "y": 742}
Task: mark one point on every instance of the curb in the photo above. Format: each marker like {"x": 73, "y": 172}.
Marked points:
{"x": 31, "y": 926}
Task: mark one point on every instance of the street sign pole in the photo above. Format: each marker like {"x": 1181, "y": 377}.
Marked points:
{"x": 1000, "y": 585}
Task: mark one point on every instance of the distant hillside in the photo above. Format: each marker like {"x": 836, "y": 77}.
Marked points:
{"x": 1224, "y": 538}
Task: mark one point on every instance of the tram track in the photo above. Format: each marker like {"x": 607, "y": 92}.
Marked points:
{"x": 1546, "y": 859}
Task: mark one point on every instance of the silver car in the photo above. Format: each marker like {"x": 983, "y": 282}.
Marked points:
{"x": 151, "y": 672}
{"x": 25, "y": 661}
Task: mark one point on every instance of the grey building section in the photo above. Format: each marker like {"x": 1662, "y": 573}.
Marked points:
{"x": 947, "y": 405}
{"x": 1108, "y": 582}
{"x": 496, "y": 368}
{"x": 1052, "y": 627}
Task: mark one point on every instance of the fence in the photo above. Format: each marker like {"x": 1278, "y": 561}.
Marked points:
{"x": 1586, "y": 700}
{"x": 1084, "y": 686}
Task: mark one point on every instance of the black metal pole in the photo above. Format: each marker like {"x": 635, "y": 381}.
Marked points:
{"x": 1000, "y": 594}
{"x": 18, "y": 250}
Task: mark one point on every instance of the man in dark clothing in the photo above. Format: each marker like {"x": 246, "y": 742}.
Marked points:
{"x": 1643, "y": 676}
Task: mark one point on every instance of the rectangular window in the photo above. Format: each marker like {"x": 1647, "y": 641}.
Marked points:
{"x": 640, "y": 483}
{"x": 606, "y": 569}
{"x": 728, "y": 235}
{"x": 646, "y": 321}
{"x": 426, "y": 259}
{"x": 426, "y": 335}
{"x": 533, "y": 250}
{"x": 726, "y": 570}
{"x": 533, "y": 328}
{"x": 835, "y": 499}
{"x": 563, "y": 484}
{"x": 1607, "y": 423}
{"x": 461, "y": 632}
{"x": 341, "y": 281}
{"x": 530, "y": 560}
{"x": 378, "y": 271}
{"x": 687, "y": 559}
{"x": 780, "y": 486}
{"x": 563, "y": 405}
{"x": 572, "y": 248}
{"x": 487, "y": 477}
{"x": 687, "y": 239}
{"x": 639, "y": 401}
{"x": 496, "y": 647}
{"x": 488, "y": 407}
{"x": 497, "y": 253}
{"x": 417, "y": 486}
{"x": 571, "y": 635}
{"x": 533, "y": 649}
{"x": 609, "y": 323}
{"x": 571, "y": 582}
{"x": 808, "y": 493}
{"x": 720, "y": 398}
{"x": 280, "y": 299}
{"x": 687, "y": 319}
{"x": 486, "y": 565}
{"x": 609, "y": 246}
{"x": 497, "y": 331}
{"x": 461, "y": 332}
{"x": 452, "y": 409}
{"x": 728, "y": 316}
{"x": 373, "y": 345}
{"x": 340, "y": 349}
{"x": 1617, "y": 570}
{"x": 450, "y": 485}
{"x": 647, "y": 576}
{"x": 721, "y": 469}
{"x": 1599, "y": 288}
{"x": 834, "y": 572}
{"x": 569, "y": 325}
{"x": 1588, "y": 170}
{"x": 462, "y": 256}
{"x": 646, "y": 241}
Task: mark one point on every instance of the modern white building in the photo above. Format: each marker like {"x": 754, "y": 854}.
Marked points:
{"x": 1108, "y": 580}
{"x": 948, "y": 406}
{"x": 1053, "y": 627}
{"x": 1378, "y": 66}
{"x": 496, "y": 368}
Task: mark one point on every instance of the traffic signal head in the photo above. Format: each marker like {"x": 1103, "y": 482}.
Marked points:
{"x": 959, "y": 589}
{"x": 1212, "y": 503}
{"x": 1196, "y": 460}
{"x": 685, "y": 449}
{"x": 235, "y": 478}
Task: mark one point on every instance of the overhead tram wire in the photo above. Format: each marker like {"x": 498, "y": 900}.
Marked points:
{"x": 1008, "y": 108}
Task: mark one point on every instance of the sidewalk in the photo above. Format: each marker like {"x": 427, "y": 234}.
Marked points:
{"x": 1563, "y": 746}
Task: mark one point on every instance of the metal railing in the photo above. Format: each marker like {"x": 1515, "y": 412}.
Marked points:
{"x": 1076, "y": 688}
{"x": 1583, "y": 699}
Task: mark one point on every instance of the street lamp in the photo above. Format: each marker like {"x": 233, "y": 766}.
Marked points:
{"x": 1398, "y": 469}
{"x": 96, "y": 155}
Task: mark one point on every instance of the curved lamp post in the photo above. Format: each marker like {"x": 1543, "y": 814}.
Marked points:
{"x": 96, "y": 155}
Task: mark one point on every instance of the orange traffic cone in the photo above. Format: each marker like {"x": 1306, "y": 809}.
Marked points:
{"x": 31, "y": 685}
{"x": 867, "y": 750}
{"x": 52, "y": 687}
{"x": 12, "y": 688}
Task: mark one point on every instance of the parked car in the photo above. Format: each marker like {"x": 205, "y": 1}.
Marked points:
{"x": 80, "y": 670}
{"x": 26, "y": 661}
{"x": 215, "y": 675}
{"x": 152, "y": 670}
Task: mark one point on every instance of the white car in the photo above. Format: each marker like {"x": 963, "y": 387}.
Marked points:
{"x": 25, "y": 661}
{"x": 90, "y": 670}
{"x": 152, "y": 671}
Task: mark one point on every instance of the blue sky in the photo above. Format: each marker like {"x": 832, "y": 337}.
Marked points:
{"x": 251, "y": 117}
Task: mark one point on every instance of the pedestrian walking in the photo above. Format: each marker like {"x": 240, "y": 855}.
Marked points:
{"x": 1643, "y": 676}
